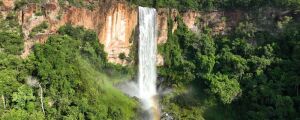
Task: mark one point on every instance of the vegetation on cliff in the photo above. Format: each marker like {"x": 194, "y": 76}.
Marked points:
{"x": 249, "y": 73}
{"x": 66, "y": 78}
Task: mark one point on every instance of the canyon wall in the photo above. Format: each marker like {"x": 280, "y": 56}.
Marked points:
{"x": 114, "y": 21}
{"x": 119, "y": 25}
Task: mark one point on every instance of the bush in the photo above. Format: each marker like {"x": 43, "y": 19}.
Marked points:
{"x": 39, "y": 13}
{"x": 39, "y": 29}
{"x": 122, "y": 56}
{"x": 11, "y": 43}
{"x": 19, "y": 4}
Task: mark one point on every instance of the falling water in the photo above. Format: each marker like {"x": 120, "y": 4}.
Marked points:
{"x": 147, "y": 61}
{"x": 145, "y": 87}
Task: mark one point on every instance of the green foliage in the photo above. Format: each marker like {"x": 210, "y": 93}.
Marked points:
{"x": 227, "y": 89}
{"x": 9, "y": 73}
{"x": 14, "y": 94}
{"x": 39, "y": 13}
{"x": 71, "y": 65}
{"x": 11, "y": 43}
{"x": 245, "y": 30}
{"x": 77, "y": 3}
{"x": 10, "y": 24}
{"x": 91, "y": 5}
{"x": 74, "y": 74}
{"x": 21, "y": 3}
{"x": 250, "y": 72}
{"x": 39, "y": 29}
{"x": 16, "y": 114}
{"x": 23, "y": 96}
{"x": 122, "y": 56}
{"x": 177, "y": 68}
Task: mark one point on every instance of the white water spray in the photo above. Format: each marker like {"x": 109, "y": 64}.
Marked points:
{"x": 147, "y": 60}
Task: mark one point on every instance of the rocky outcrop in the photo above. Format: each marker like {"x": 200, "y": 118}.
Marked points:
{"x": 162, "y": 23}
{"x": 220, "y": 22}
{"x": 190, "y": 18}
{"x": 28, "y": 20}
{"x": 159, "y": 60}
{"x": 162, "y": 26}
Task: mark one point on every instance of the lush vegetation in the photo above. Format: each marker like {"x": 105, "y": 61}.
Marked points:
{"x": 19, "y": 4}
{"x": 253, "y": 72}
{"x": 80, "y": 3}
{"x": 11, "y": 39}
{"x": 66, "y": 78}
{"x": 248, "y": 74}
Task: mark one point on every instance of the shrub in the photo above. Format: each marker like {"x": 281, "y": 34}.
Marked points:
{"x": 122, "y": 56}
{"x": 39, "y": 29}
{"x": 39, "y": 13}
{"x": 11, "y": 42}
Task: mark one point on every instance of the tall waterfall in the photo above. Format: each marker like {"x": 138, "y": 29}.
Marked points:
{"x": 147, "y": 61}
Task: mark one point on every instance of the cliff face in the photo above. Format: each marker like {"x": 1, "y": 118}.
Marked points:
{"x": 120, "y": 22}
{"x": 114, "y": 26}
{"x": 114, "y": 22}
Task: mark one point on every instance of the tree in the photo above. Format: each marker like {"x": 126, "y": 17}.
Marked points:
{"x": 225, "y": 88}
{"x": 23, "y": 97}
{"x": 11, "y": 43}
{"x": 17, "y": 114}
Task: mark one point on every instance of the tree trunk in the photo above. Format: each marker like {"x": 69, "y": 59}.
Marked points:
{"x": 4, "y": 104}
{"x": 41, "y": 97}
{"x": 297, "y": 89}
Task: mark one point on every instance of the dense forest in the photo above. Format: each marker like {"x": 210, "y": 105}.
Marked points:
{"x": 250, "y": 73}
{"x": 230, "y": 76}
{"x": 66, "y": 78}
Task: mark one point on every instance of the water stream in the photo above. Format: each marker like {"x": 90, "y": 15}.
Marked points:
{"x": 145, "y": 87}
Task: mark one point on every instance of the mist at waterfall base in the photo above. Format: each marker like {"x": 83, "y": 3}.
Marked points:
{"x": 145, "y": 87}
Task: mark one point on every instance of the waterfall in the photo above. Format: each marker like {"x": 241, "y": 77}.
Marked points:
{"x": 145, "y": 87}
{"x": 147, "y": 61}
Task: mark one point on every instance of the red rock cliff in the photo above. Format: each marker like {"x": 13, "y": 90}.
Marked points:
{"x": 113, "y": 20}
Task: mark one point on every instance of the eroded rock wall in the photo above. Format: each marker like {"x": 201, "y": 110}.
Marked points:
{"x": 117, "y": 30}
{"x": 115, "y": 22}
